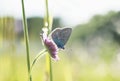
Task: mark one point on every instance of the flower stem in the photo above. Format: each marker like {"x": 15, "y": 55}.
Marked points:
{"x": 26, "y": 40}
{"x": 49, "y": 30}
{"x": 37, "y": 57}
{"x": 50, "y": 65}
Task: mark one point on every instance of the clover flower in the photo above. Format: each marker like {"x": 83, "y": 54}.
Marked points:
{"x": 50, "y": 45}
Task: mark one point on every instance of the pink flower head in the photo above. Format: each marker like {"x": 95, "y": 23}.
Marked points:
{"x": 51, "y": 46}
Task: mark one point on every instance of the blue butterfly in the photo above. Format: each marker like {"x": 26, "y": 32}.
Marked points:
{"x": 60, "y": 36}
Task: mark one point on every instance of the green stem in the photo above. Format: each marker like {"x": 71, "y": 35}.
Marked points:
{"x": 50, "y": 63}
{"x": 49, "y": 30}
{"x": 37, "y": 57}
{"x": 47, "y": 16}
{"x": 26, "y": 39}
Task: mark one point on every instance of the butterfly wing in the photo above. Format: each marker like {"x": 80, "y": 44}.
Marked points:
{"x": 60, "y": 36}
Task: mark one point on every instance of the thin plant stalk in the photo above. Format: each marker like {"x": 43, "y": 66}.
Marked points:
{"x": 50, "y": 65}
{"x": 37, "y": 57}
{"x": 47, "y": 14}
{"x": 49, "y": 30}
{"x": 26, "y": 40}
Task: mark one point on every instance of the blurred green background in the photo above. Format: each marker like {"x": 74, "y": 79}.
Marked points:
{"x": 91, "y": 54}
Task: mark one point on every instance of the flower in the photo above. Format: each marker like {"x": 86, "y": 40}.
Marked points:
{"x": 50, "y": 45}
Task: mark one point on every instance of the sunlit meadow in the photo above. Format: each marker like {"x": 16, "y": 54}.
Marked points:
{"x": 92, "y": 52}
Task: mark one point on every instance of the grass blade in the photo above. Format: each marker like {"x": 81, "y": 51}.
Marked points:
{"x": 26, "y": 40}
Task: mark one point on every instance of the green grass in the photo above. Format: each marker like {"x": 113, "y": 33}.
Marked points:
{"x": 67, "y": 69}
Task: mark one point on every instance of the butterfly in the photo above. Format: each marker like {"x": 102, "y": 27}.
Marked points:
{"x": 60, "y": 36}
